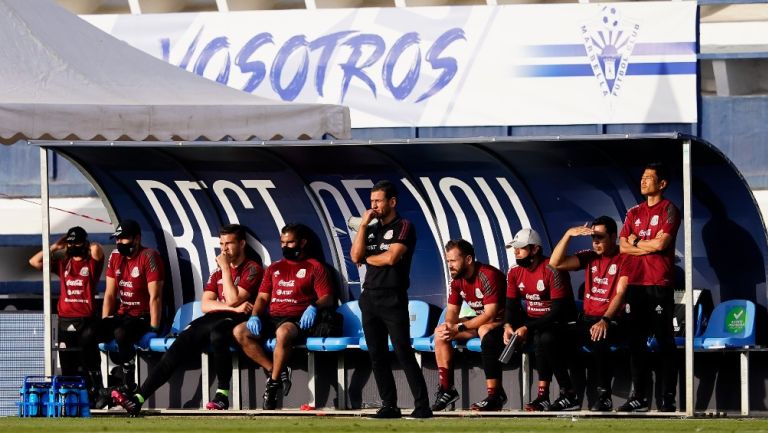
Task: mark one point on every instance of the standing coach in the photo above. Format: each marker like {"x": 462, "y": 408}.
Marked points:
{"x": 386, "y": 248}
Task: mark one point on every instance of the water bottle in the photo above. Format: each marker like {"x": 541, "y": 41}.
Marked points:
{"x": 33, "y": 402}
{"x": 70, "y": 401}
{"x": 85, "y": 404}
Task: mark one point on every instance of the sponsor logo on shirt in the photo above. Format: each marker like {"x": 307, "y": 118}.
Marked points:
{"x": 276, "y": 274}
{"x": 78, "y": 283}
{"x": 637, "y": 222}
{"x": 126, "y": 284}
{"x": 302, "y": 273}
{"x": 594, "y": 269}
{"x": 289, "y": 283}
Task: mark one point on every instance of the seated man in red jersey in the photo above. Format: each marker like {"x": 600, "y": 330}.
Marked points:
{"x": 605, "y": 284}
{"x": 549, "y": 306}
{"x": 293, "y": 289}
{"x": 226, "y": 301}
{"x": 481, "y": 286}
{"x": 133, "y": 299}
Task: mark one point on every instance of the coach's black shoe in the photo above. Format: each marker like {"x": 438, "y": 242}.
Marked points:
{"x": 443, "y": 399}
{"x": 634, "y": 404}
{"x": 387, "y": 412}
{"x": 491, "y": 403}
{"x": 270, "y": 394}
{"x": 130, "y": 403}
{"x": 566, "y": 402}
{"x": 421, "y": 413}
{"x": 603, "y": 404}
{"x": 668, "y": 403}
{"x": 539, "y": 404}
{"x": 285, "y": 378}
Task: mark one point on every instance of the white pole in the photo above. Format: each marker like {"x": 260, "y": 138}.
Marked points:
{"x": 688, "y": 298}
{"x": 46, "y": 229}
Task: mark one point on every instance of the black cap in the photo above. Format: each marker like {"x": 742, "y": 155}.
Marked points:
{"x": 76, "y": 235}
{"x": 126, "y": 229}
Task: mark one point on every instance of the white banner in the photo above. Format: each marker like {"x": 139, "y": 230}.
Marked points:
{"x": 446, "y": 66}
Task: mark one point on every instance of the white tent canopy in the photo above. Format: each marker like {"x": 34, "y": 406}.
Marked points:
{"x": 63, "y": 78}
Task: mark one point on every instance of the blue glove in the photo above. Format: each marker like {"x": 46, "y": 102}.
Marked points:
{"x": 254, "y": 325}
{"x": 144, "y": 340}
{"x": 308, "y": 318}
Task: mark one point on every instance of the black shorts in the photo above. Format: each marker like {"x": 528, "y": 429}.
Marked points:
{"x": 272, "y": 323}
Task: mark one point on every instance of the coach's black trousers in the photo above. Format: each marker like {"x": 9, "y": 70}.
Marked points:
{"x": 385, "y": 313}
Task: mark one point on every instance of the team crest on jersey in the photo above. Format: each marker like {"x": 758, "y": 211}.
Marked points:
{"x": 655, "y": 220}
{"x": 637, "y": 222}
{"x": 389, "y": 234}
{"x": 540, "y": 285}
{"x": 478, "y": 293}
{"x": 612, "y": 269}
{"x": 84, "y": 272}
{"x": 135, "y": 272}
{"x": 302, "y": 273}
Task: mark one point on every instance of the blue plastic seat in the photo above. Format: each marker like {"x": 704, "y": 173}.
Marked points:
{"x": 351, "y": 334}
{"x": 731, "y": 326}
{"x": 427, "y": 344}
{"x": 418, "y": 312}
{"x": 184, "y": 316}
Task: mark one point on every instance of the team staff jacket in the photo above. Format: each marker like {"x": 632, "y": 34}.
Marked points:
{"x": 79, "y": 280}
{"x": 485, "y": 287}
{"x": 653, "y": 269}
{"x": 293, "y": 286}
{"x": 133, "y": 276}
{"x": 602, "y": 273}
{"x": 378, "y": 239}
{"x": 247, "y": 276}
{"x": 539, "y": 287}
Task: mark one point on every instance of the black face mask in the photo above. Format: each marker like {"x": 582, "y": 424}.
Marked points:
{"x": 77, "y": 251}
{"x": 126, "y": 249}
{"x": 291, "y": 253}
{"x": 526, "y": 262}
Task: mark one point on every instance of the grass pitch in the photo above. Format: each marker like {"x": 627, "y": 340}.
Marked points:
{"x": 207, "y": 424}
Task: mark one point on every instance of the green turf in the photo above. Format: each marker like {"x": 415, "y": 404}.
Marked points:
{"x": 162, "y": 424}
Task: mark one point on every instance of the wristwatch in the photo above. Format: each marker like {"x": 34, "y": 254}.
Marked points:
{"x": 461, "y": 327}
{"x": 635, "y": 242}
{"x": 606, "y": 320}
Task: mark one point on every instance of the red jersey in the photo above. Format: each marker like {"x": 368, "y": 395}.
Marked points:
{"x": 133, "y": 276}
{"x": 654, "y": 269}
{"x": 79, "y": 279}
{"x": 293, "y": 286}
{"x": 538, "y": 287}
{"x": 247, "y": 276}
{"x": 485, "y": 287}
{"x": 601, "y": 277}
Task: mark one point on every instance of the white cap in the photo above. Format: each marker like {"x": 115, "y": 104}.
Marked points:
{"x": 524, "y": 238}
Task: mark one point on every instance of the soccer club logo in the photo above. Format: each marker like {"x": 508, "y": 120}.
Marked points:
{"x": 301, "y": 273}
{"x": 84, "y": 272}
{"x": 609, "y": 40}
{"x": 135, "y": 272}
